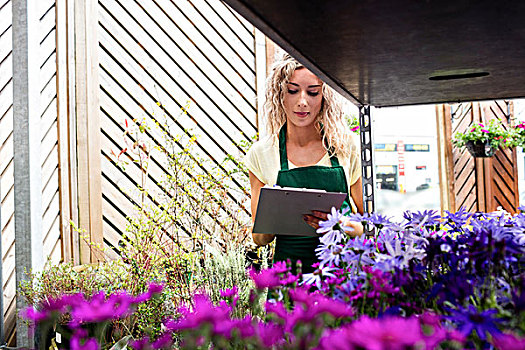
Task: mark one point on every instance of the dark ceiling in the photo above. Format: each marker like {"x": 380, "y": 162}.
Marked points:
{"x": 401, "y": 52}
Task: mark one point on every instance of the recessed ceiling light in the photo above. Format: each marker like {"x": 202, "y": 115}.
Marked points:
{"x": 454, "y": 76}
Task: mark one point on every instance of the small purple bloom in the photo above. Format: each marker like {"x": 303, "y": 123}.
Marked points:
{"x": 470, "y": 319}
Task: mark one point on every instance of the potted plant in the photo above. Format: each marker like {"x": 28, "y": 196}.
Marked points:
{"x": 483, "y": 139}
{"x": 519, "y": 134}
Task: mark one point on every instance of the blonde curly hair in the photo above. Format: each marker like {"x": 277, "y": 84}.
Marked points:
{"x": 336, "y": 133}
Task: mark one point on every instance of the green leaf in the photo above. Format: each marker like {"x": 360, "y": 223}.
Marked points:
{"x": 122, "y": 343}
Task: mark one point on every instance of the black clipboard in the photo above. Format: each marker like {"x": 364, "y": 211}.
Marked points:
{"x": 280, "y": 210}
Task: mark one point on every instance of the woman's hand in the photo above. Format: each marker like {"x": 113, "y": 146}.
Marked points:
{"x": 318, "y": 216}
{"x": 314, "y": 218}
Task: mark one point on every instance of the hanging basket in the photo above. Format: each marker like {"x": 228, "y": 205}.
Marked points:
{"x": 480, "y": 148}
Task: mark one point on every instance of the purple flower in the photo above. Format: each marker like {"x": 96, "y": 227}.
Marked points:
{"x": 458, "y": 219}
{"x": 380, "y": 221}
{"x": 277, "y": 308}
{"x": 470, "y": 319}
{"x": 315, "y": 277}
{"x": 426, "y": 218}
{"x": 230, "y": 295}
{"x": 331, "y": 228}
{"x": 331, "y": 255}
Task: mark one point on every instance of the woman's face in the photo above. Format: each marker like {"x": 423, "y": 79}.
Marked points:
{"x": 303, "y": 98}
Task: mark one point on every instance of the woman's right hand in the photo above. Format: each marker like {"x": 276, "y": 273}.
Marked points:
{"x": 358, "y": 228}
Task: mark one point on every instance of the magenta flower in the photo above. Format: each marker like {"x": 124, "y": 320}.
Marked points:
{"x": 269, "y": 278}
{"x": 270, "y": 334}
{"x": 141, "y": 344}
{"x": 204, "y": 313}
{"x": 164, "y": 341}
{"x": 79, "y": 342}
{"x": 390, "y": 333}
{"x": 34, "y": 315}
{"x": 229, "y": 293}
{"x": 507, "y": 341}
{"x": 276, "y": 308}
{"x": 98, "y": 309}
{"x": 153, "y": 288}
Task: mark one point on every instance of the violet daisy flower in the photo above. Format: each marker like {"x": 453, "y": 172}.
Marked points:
{"x": 470, "y": 319}
{"x": 333, "y": 224}
{"x": 426, "y": 218}
{"x": 380, "y": 221}
{"x": 331, "y": 255}
{"x": 315, "y": 277}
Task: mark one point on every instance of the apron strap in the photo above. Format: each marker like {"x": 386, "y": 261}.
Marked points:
{"x": 282, "y": 148}
{"x": 283, "y": 155}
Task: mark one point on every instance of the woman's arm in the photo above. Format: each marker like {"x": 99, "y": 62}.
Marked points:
{"x": 256, "y": 185}
{"x": 356, "y": 191}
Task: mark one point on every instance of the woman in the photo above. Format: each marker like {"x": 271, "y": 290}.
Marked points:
{"x": 309, "y": 146}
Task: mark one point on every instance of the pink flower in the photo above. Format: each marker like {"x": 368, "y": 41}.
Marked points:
{"x": 153, "y": 288}
{"x": 98, "y": 309}
{"x": 33, "y": 315}
{"x": 270, "y": 334}
{"x": 164, "y": 341}
{"x": 484, "y": 130}
{"x": 229, "y": 293}
{"x": 507, "y": 341}
{"x": 141, "y": 344}
{"x": 269, "y": 278}
{"x": 390, "y": 333}
{"x": 78, "y": 341}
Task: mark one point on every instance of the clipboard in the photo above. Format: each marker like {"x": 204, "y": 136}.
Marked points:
{"x": 280, "y": 210}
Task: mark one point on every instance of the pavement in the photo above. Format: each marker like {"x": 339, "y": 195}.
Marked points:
{"x": 394, "y": 203}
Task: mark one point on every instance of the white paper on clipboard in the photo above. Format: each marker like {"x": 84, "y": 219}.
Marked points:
{"x": 280, "y": 210}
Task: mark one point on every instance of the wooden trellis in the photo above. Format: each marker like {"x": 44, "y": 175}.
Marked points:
{"x": 198, "y": 55}
{"x": 99, "y": 64}
{"x": 477, "y": 184}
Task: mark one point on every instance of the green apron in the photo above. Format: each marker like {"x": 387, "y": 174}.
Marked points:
{"x": 330, "y": 179}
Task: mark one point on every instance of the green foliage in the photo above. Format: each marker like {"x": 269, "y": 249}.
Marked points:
{"x": 189, "y": 230}
{"x": 493, "y": 132}
{"x": 353, "y": 123}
